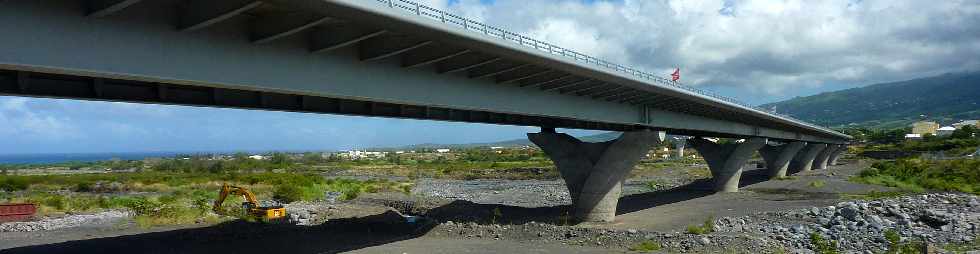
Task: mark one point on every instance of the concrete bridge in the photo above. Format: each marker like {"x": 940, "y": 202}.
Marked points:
{"x": 389, "y": 58}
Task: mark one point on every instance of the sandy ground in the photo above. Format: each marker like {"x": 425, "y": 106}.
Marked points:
{"x": 666, "y": 210}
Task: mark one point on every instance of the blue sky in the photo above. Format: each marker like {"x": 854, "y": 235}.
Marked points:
{"x": 756, "y": 50}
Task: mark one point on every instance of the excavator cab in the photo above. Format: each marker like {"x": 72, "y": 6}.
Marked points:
{"x": 251, "y": 210}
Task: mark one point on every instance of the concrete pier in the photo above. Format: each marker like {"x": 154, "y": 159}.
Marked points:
{"x": 726, "y": 160}
{"x": 594, "y": 172}
{"x": 778, "y": 157}
{"x": 841, "y": 149}
{"x": 804, "y": 159}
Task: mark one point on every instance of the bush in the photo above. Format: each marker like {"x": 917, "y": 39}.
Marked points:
{"x": 707, "y": 227}
{"x": 287, "y": 193}
{"x": 917, "y": 174}
{"x": 10, "y": 183}
{"x": 647, "y": 246}
{"x": 823, "y": 246}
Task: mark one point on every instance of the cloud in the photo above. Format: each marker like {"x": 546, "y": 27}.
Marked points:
{"x": 766, "y": 47}
{"x": 20, "y": 121}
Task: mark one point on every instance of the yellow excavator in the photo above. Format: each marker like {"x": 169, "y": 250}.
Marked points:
{"x": 250, "y": 208}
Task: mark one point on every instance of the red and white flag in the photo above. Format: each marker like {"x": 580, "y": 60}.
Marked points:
{"x": 676, "y": 75}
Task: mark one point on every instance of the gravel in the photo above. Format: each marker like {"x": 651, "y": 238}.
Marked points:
{"x": 68, "y": 221}
{"x": 522, "y": 193}
{"x": 860, "y": 226}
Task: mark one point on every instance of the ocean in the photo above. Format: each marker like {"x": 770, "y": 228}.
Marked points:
{"x": 80, "y": 157}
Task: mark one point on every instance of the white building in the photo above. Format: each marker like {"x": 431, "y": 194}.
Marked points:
{"x": 355, "y": 154}
{"x": 913, "y": 136}
{"x": 257, "y": 157}
{"x": 443, "y": 150}
{"x": 945, "y": 131}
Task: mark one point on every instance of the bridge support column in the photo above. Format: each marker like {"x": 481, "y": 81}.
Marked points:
{"x": 679, "y": 145}
{"x": 804, "y": 159}
{"x": 820, "y": 162}
{"x": 726, "y": 160}
{"x": 594, "y": 172}
{"x": 778, "y": 157}
{"x": 836, "y": 154}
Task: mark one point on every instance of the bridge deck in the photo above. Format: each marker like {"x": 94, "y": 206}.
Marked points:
{"x": 375, "y": 58}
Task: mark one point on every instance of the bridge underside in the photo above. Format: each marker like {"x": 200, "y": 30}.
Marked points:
{"x": 336, "y": 57}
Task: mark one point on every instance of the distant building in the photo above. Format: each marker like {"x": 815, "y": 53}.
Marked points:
{"x": 945, "y": 131}
{"x": 964, "y": 123}
{"x": 355, "y": 154}
{"x": 912, "y": 136}
{"x": 496, "y": 147}
{"x": 925, "y": 127}
{"x": 443, "y": 150}
{"x": 257, "y": 157}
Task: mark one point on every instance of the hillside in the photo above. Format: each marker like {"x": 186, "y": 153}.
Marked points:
{"x": 946, "y": 98}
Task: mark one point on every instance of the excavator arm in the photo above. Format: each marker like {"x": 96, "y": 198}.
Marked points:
{"x": 233, "y": 190}
{"x": 250, "y": 207}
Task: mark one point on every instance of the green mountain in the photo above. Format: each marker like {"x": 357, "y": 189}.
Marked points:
{"x": 946, "y": 98}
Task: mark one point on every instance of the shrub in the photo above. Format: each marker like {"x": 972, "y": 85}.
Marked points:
{"x": 705, "y": 228}
{"x": 8, "y": 183}
{"x": 823, "y": 246}
{"x": 287, "y": 193}
{"x": 817, "y": 184}
{"x": 647, "y": 246}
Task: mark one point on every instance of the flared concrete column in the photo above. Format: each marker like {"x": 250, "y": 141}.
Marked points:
{"x": 679, "y": 145}
{"x": 841, "y": 149}
{"x": 778, "y": 157}
{"x": 594, "y": 172}
{"x": 726, "y": 160}
{"x": 804, "y": 159}
{"x": 820, "y": 162}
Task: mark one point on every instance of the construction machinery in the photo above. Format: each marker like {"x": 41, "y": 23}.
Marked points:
{"x": 251, "y": 209}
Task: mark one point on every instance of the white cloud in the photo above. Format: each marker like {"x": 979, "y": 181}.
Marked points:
{"x": 20, "y": 121}
{"x": 768, "y": 46}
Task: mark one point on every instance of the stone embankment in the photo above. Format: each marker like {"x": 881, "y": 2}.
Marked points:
{"x": 861, "y": 226}
{"x": 67, "y": 221}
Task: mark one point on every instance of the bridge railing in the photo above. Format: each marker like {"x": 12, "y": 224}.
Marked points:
{"x": 499, "y": 33}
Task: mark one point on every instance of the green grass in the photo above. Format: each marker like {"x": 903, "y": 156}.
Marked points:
{"x": 823, "y": 246}
{"x": 705, "y": 228}
{"x": 963, "y": 247}
{"x": 169, "y": 198}
{"x": 647, "y": 246}
{"x": 817, "y": 183}
{"x": 917, "y": 175}
{"x": 655, "y": 184}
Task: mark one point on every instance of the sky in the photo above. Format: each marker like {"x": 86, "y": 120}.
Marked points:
{"x": 758, "y": 51}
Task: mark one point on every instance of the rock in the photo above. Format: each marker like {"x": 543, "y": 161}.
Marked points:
{"x": 704, "y": 240}
{"x": 631, "y": 231}
{"x": 850, "y": 212}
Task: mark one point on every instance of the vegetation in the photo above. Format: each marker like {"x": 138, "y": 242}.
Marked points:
{"x": 823, "y": 246}
{"x": 942, "y": 98}
{"x": 817, "y": 183}
{"x": 705, "y": 228}
{"x": 165, "y": 198}
{"x": 918, "y": 175}
{"x": 963, "y": 247}
{"x": 647, "y": 246}
{"x": 874, "y": 195}
{"x": 895, "y": 245}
